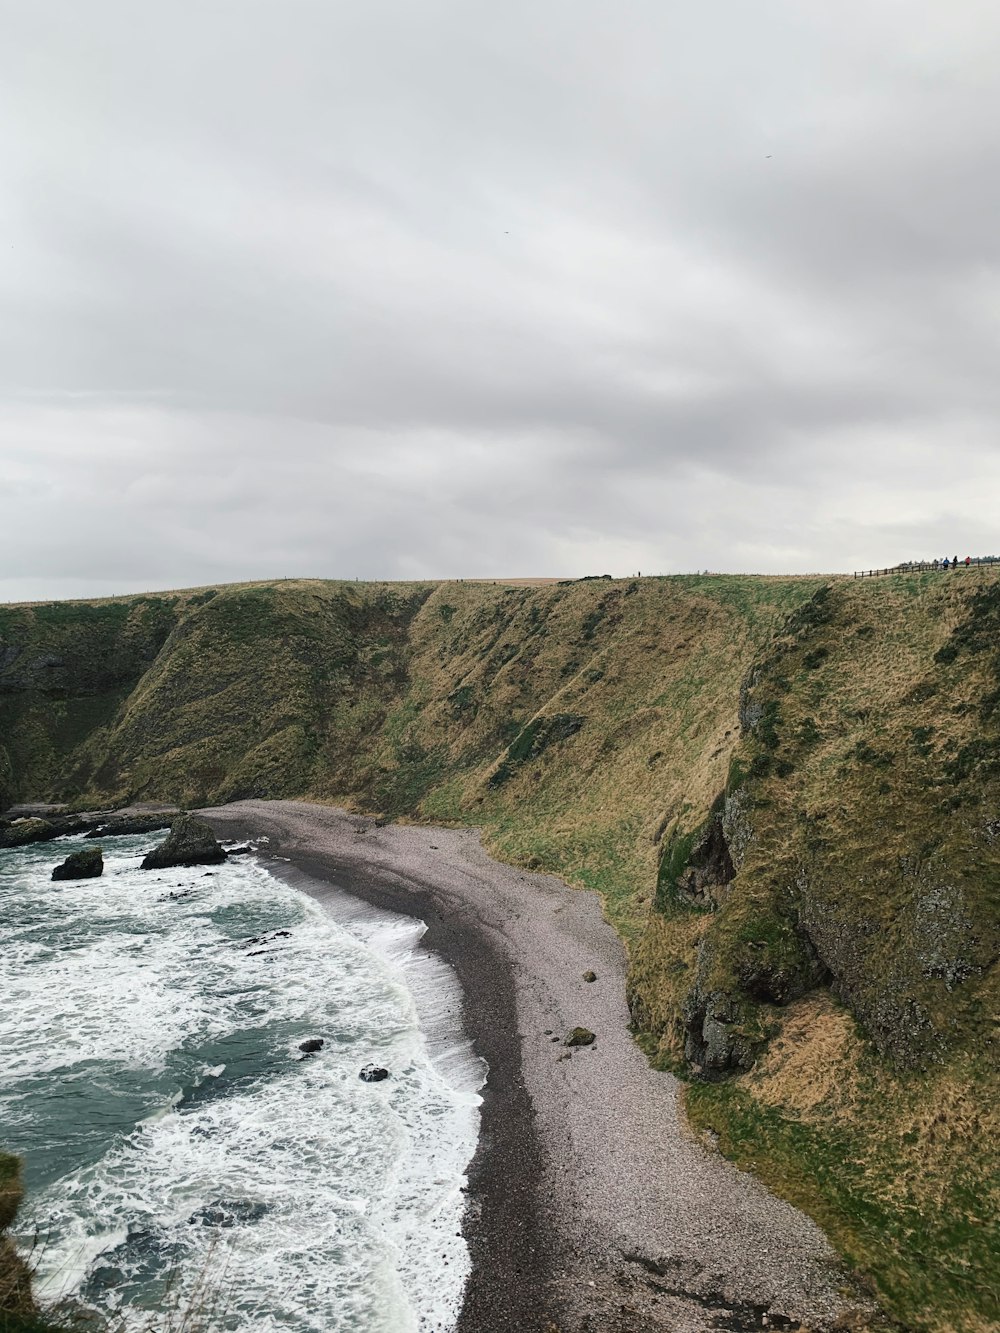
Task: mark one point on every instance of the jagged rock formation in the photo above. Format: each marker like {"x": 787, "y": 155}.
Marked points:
{"x": 190, "y": 843}
{"x": 22, "y": 831}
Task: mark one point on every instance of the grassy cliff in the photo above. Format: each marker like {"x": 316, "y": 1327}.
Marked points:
{"x": 786, "y": 790}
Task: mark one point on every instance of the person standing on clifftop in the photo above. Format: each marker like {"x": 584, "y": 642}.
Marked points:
{"x": 954, "y": 562}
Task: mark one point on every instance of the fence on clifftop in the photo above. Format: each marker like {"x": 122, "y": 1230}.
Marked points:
{"x": 915, "y": 566}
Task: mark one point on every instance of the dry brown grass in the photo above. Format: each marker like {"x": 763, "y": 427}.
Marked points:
{"x": 811, "y": 1066}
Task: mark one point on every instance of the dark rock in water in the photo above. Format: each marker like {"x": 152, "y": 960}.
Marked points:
{"x": 120, "y": 825}
{"x": 238, "y": 851}
{"x": 190, "y": 843}
{"x": 88, "y": 863}
{"x": 580, "y": 1037}
{"x": 590, "y": 976}
{"x": 373, "y": 1074}
{"x": 227, "y": 1212}
{"x": 313, "y": 1044}
{"x": 24, "y": 831}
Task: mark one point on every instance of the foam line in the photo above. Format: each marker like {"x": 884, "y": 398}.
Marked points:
{"x": 175, "y": 1135}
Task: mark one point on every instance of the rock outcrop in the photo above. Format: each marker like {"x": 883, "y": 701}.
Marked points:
{"x": 118, "y": 826}
{"x": 22, "y": 832}
{"x": 373, "y": 1074}
{"x": 190, "y": 843}
{"x": 87, "y": 863}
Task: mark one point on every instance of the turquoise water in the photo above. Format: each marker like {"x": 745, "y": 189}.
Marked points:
{"x": 180, "y": 1152}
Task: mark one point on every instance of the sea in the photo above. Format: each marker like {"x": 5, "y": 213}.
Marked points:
{"x": 186, "y": 1165}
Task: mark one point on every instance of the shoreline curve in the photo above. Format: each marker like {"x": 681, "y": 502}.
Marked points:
{"x": 591, "y": 1207}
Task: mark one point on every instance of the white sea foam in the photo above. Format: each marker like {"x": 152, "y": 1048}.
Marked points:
{"x": 175, "y": 1133}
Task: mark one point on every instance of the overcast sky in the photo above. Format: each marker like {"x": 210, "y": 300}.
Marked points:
{"x": 408, "y": 288}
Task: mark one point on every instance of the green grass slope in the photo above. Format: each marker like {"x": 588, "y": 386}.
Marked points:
{"x": 65, "y": 670}
{"x": 786, "y": 790}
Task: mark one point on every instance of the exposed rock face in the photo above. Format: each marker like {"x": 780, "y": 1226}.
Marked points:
{"x": 741, "y": 965}
{"x": 721, "y": 1035}
{"x": 190, "y": 843}
{"x": 24, "y": 831}
{"x": 737, "y": 830}
{"x": 119, "y": 825}
{"x": 710, "y": 867}
{"x": 103, "y": 824}
{"x": 88, "y": 863}
{"x": 538, "y": 735}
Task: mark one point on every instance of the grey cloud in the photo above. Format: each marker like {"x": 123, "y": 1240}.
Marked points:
{"x": 393, "y": 290}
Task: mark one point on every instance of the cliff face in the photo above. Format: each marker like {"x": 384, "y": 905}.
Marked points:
{"x": 861, "y": 815}
{"x": 65, "y": 670}
{"x": 787, "y": 791}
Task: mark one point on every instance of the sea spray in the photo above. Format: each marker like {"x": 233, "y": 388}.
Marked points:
{"x": 179, "y": 1147}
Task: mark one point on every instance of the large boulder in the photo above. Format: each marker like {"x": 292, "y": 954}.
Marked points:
{"x": 21, "y": 832}
{"x": 88, "y": 863}
{"x": 190, "y": 843}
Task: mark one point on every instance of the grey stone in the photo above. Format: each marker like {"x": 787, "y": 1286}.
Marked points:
{"x": 373, "y": 1074}
{"x": 88, "y": 863}
{"x": 190, "y": 843}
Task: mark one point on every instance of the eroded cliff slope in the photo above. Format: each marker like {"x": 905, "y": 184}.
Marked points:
{"x": 787, "y": 790}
